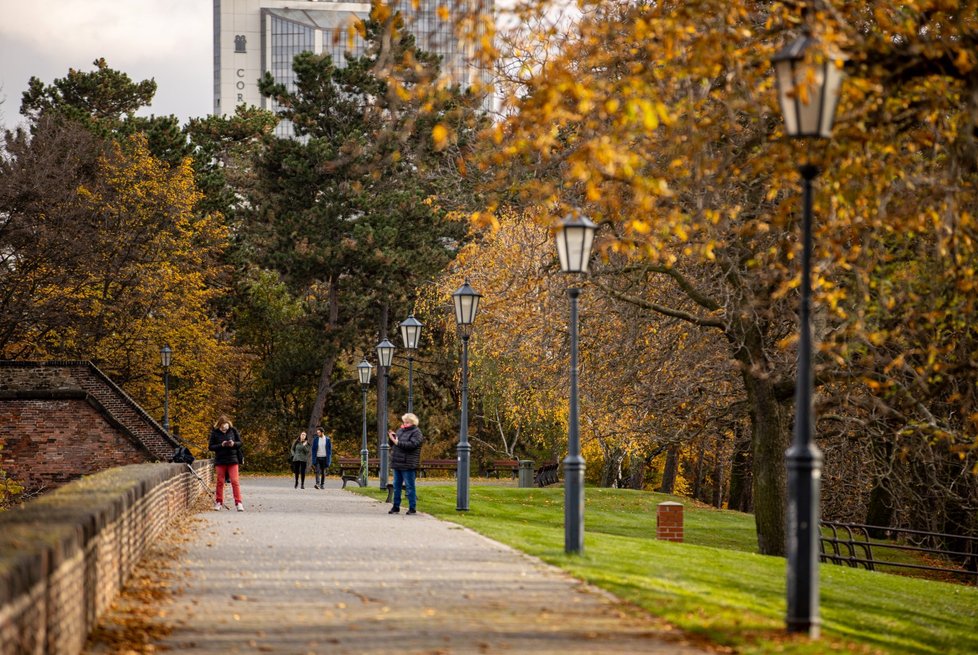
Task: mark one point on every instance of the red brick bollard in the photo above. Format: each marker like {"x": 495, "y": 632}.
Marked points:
{"x": 669, "y": 522}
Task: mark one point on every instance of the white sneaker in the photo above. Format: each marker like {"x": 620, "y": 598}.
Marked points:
{"x": 218, "y": 507}
{"x": 240, "y": 507}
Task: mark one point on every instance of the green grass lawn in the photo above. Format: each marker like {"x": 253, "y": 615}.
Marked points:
{"x": 714, "y": 585}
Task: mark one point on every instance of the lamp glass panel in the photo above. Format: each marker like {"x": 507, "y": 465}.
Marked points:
{"x": 364, "y": 370}
{"x": 575, "y": 239}
{"x": 165, "y": 356}
{"x": 830, "y": 96}
{"x": 809, "y": 98}
{"x": 586, "y": 249}
{"x": 466, "y": 303}
{"x": 411, "y": 332}
{"x": 385, "y": 353}
{"x": 785, "y": 75}
{"x": 561, "y": 238}
{"x": 463, "y": 309}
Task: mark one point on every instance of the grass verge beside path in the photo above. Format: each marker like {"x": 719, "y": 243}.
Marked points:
{"x": 713, "y": 585}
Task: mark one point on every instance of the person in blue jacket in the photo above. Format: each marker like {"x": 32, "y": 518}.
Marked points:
{"x": 321, "y": 455}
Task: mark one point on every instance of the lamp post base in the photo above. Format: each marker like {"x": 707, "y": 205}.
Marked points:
{"x": 804, "y": 463}
{"x": 384, "y": 470}
{"x": 462, "y": 478}
{"x": 574, "y": 504}
{"x": 363, "y": 468}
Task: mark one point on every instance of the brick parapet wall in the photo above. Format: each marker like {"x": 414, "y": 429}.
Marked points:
{"x": 65, "y": 556}
{"x": 48, "y": 443}
{"x": 61, "y": 377}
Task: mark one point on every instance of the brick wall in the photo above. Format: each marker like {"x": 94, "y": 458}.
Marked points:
{"x": 62, "y": 420}
{"x": 48, "y": 443}
{"x": 65, "y": 556}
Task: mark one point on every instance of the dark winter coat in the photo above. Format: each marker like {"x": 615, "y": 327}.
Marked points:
{"x": 225, "y": 454}
{"x": 406, "y": 453}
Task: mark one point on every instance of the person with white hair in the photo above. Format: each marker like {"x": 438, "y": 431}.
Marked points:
{"x": 405, "y": 460}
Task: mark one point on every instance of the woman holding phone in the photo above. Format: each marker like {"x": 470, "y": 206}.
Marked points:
{"x": 226, "y": 444}
{"x": 405, "y": 460}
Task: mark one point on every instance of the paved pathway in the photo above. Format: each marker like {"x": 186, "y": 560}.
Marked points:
{"x": 310, "y": 571}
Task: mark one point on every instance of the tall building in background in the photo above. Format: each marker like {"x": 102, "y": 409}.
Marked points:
{"x": 252, "y": 37}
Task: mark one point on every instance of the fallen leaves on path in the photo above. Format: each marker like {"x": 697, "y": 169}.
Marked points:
{"x": 134, "y": 622}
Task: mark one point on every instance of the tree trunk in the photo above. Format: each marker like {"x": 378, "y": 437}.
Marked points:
{"x": 669, "y": 473}
{"x": 611, "y": 468}
{"x": 718, "y": 466}
{"x": 740, "y": 477}
{"x": 326, "y": 375}
{"x": 636, "y": 472}
{"x": 769, "y": 441}
{"x": 637, "y": 466}
{"x": 879, "y": 508}
{"x": 698, "y": 475}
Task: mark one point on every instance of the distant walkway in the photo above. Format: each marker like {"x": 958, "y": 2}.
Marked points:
{"x": 331, "y": 572}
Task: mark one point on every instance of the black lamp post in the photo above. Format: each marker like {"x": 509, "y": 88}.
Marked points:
{"x": 466, "y": 302}
{"x": 808, "y": 92}
{"x": 574, "y": 239}
{"x": 410, "y": 335}
{"x": 166, "y": 355}
{"x": 385, "y": 354}
{"x": 363, "y": 371}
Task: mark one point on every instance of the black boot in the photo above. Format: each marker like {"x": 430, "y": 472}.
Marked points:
{"x": 394, "y": 510}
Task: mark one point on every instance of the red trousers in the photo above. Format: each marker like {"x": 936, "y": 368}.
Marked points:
{"x": 227, "y": 470}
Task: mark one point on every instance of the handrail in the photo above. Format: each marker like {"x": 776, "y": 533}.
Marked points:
{"x": 858, "y": 536}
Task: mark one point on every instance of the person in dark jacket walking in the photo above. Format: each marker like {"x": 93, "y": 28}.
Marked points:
{"x": 405, "y": 460}
{"x": 226, "y": 444}
{"x": 300, "y": 457}
{"x": 322, "y": 456}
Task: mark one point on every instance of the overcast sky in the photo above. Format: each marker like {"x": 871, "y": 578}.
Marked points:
{"x": 170, "y": 41}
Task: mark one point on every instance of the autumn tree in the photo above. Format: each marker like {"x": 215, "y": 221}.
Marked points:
{"x": 353, "y": 214}
{"x": 105, "y": 253}
{"x": 659, "y": 121}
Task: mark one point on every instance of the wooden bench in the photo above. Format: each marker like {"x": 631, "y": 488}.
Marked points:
{"x": 350, "y": 468}
{"x": 448, "y": 465}
{"x": 546, "y": 474}
{"x": 351, "y": 465}
{"x": 495, "y": 467}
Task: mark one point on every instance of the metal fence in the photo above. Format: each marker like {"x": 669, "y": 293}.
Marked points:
{"x": 850, "y": 544}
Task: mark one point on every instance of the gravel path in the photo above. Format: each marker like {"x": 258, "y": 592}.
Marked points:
{"x": 327, "y": 571}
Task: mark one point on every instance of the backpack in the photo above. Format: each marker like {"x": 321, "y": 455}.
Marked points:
{"x": 182, "y": 455}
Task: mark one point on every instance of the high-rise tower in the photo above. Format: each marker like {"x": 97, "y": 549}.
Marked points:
{"x": 252, "y": 37}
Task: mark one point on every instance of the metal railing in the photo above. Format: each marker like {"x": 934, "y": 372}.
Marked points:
{"x": 856, "y": 548}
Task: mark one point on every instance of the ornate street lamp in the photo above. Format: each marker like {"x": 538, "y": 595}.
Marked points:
{"x": 574, "y": 239}
{"x": 808, "y": 91}
{"x": 466, "y": 302}
{"x": 363, "y": 372}
{"x": 410, "y": 335}
{"x": 166, "y": 354}
{"x": 385, "y": 355}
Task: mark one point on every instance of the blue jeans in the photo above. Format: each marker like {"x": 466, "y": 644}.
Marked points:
{"x": 407, "y": 478}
